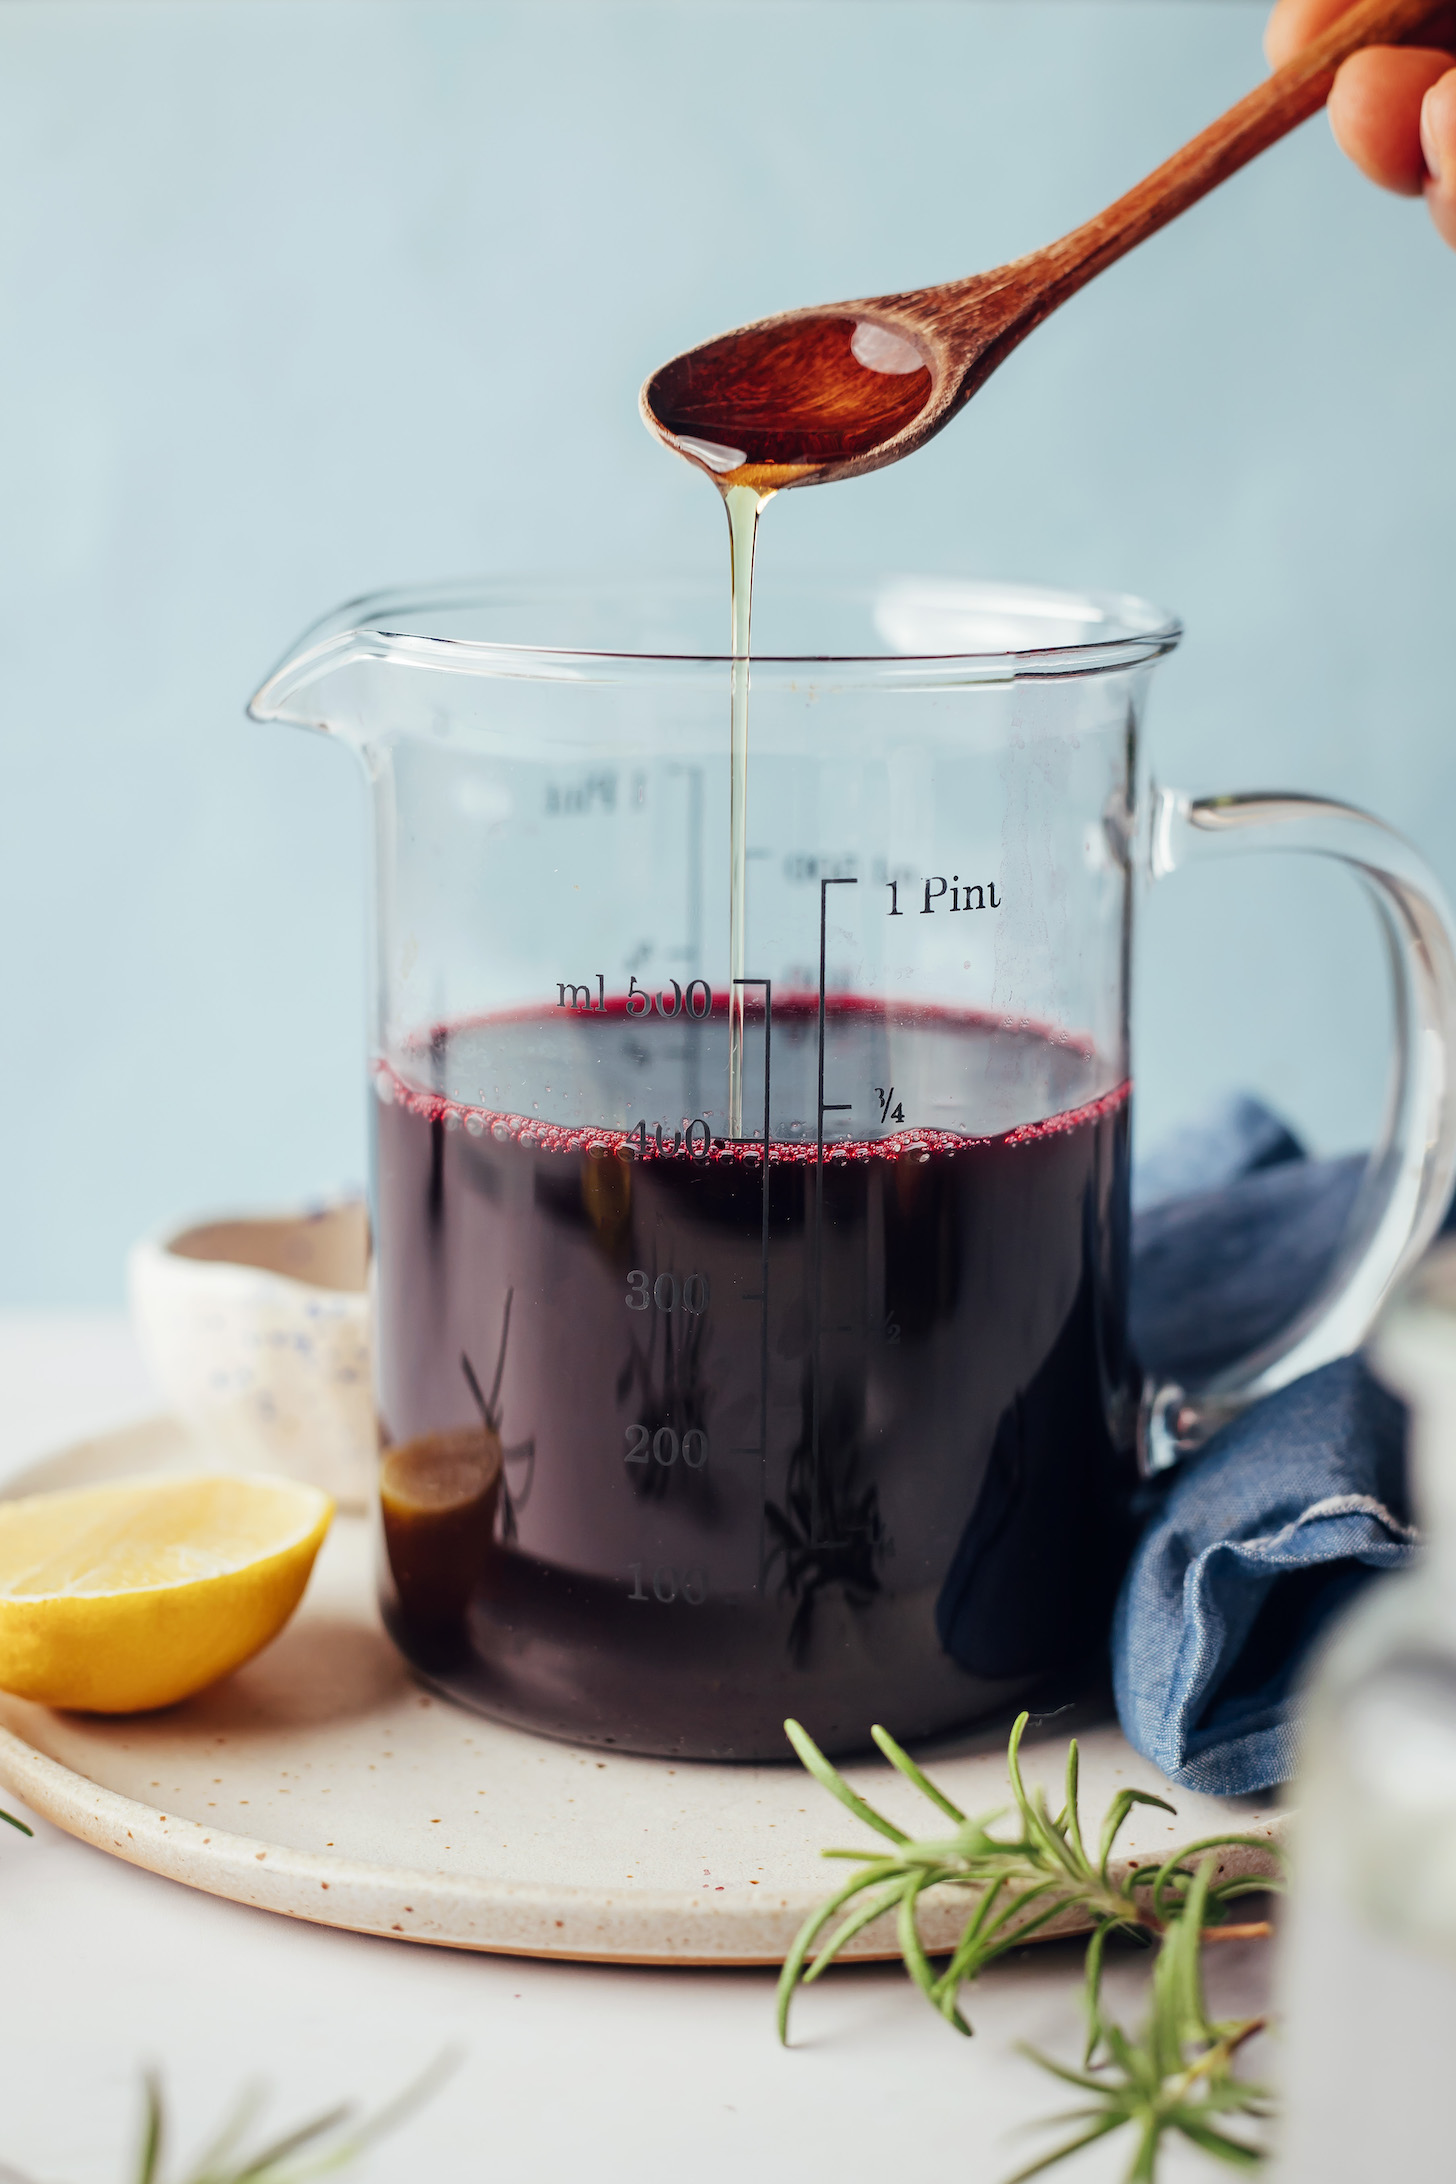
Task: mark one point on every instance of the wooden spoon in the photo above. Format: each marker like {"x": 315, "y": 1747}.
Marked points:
{"x": 841, "y": 388}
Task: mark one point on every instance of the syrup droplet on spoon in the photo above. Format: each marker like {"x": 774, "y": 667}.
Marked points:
{"x": 778, "y": 402}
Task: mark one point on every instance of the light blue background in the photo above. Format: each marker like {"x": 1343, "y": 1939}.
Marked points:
{"x": 300, "y": 297}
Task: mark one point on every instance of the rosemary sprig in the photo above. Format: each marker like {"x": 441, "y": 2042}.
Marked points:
{"x": 1021, "y": 1882}
{"x": 1179, "y": 2077}
{"x": 322, "y": 2146}
{"x": 11, "y": 1821}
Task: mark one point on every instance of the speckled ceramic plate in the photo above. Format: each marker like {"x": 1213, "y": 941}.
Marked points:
{"x": 323, "y": 1783}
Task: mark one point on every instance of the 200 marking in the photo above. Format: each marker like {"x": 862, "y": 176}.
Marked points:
{"x": 665, "y": 1446}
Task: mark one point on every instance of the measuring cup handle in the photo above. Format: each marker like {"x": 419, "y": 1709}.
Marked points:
{"x": 1408, "y": 1177}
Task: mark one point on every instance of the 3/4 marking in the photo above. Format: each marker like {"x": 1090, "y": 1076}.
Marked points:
{"x": 594, "y": 792}
{"x": 885, "y": 1094}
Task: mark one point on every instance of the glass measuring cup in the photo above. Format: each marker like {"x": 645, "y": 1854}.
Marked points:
{"x": 837, "y": 1418}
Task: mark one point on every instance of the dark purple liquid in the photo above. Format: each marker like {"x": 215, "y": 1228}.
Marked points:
{"x": 897, "y": 1493}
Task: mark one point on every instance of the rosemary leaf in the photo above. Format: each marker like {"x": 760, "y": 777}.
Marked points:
{"x": 1088, "y": 2137}
{"x": 322, "y": 2146}
{"x": 233, "y": 2130}
{"x": 273, "y": 2156}
{"x": 804, "y": 1940}
{"x": 917, "y": 1963}
{"x": 1233, "y": 2151}
{"x": 863, "y": 1915}
{"x": 1069, "y": 1821}
{"x": 150, "y": 2156}
{"x": 1176, "y": 1867}
{"x": 900, "y": 1758}
{"x": 836, "y": 1785}
{"x": 1117, "y": 1813}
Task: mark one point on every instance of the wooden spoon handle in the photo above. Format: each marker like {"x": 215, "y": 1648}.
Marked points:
{"x": 1288, "y": 97}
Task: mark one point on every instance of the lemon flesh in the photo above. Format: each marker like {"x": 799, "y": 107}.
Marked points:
{"x": 115, "y": 1599}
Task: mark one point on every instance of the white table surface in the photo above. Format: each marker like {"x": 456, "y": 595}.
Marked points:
{"x": 566, "y": 2070}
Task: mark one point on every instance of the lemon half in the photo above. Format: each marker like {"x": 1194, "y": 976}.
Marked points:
{"x": 119, "y": 1598}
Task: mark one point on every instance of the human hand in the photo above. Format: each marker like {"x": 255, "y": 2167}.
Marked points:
{"x": 1393, "y": 108}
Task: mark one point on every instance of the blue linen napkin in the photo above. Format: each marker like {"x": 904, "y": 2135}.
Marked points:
{"x": 1250, "y": 1547}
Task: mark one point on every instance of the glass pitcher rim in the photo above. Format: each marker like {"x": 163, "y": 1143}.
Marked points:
{"x": 1123, "y": 629}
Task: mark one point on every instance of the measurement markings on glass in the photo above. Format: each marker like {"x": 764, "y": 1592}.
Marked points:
{"x": 762, "y": 1298}
{"x": 823, "y": 1107}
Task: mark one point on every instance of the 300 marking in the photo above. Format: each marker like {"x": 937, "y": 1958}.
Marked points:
{"x": 665, "y": 1446}
{"x": 666, "y": 1292}
{"x": 669, "y": 1584}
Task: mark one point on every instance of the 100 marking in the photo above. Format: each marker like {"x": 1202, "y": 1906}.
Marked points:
{"x": 669, "y": 1584}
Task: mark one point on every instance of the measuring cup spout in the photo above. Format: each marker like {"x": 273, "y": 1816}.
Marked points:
{"x": 414, "y": 665}
{"x": 328, "y": 682}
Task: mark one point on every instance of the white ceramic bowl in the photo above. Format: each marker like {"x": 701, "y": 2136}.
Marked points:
{"x": 257, "y": 1332}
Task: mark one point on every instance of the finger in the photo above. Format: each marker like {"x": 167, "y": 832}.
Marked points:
{"x": 1295, "y": 22}
{"x": 1375, "y": 112}
{"x": 1438, "y": 143}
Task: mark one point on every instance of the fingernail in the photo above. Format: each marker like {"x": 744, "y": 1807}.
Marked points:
{"x": 1428, "y": 138}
